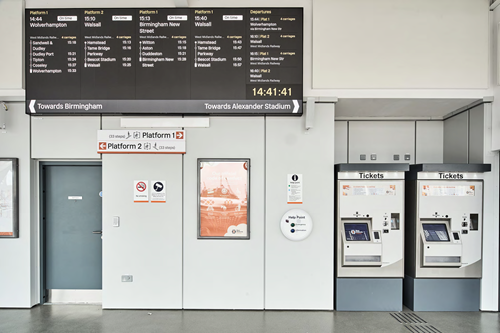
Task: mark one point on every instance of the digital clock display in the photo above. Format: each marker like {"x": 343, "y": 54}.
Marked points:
{"x": 272, "y": 92}
{"x": 278, "y": 91}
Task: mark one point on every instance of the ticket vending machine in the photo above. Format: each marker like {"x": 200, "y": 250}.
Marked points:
{"x": 369, "y": 211}
{"x": 443, "y": 241}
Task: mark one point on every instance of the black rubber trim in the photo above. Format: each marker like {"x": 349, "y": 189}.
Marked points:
{"x": 446, "y": 167}
{"x": 372, "y": 167}
{"x": 450, "y": 167}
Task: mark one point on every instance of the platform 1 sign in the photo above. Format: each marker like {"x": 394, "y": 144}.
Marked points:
{"x": 141, "y": 142}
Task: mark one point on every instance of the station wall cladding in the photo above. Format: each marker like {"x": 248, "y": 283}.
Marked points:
{"x": 157, "y": 244}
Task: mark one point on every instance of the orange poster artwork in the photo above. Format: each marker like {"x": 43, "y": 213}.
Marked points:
{"x": 223, "y": 198}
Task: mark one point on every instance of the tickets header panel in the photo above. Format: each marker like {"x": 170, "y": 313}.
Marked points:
{"x": 164, "y": 60}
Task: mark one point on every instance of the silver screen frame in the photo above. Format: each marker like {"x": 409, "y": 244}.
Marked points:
{"x": 198, "y": 164}
{"x": 15, "y": 197}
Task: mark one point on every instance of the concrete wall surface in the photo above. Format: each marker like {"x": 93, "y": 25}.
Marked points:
{"x": 400, "y": 44}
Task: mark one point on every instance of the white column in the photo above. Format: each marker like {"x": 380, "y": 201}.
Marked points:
{"x": 490, "y": 281}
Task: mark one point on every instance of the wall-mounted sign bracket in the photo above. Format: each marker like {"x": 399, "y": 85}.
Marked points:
{"x": 310, "y": 106}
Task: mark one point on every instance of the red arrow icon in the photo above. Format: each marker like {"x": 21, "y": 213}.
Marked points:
{"x": 102, "y": 145}
{"x": 179, "y": 135}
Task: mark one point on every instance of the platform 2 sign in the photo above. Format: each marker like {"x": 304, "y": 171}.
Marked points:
{"x": 141, "y": 142}
{"x": 164, "y": 60}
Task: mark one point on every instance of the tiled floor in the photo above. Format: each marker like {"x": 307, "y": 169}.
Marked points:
{"x": 91, "y": 318}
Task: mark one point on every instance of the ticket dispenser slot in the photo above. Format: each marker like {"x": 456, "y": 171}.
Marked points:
{"x": 395, "y": 221}
{"x": 474, "y": 222}
{"x": 361, "y": 245}
{"x": 441, "y": 247}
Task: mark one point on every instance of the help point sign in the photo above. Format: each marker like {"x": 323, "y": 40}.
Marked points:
{"x": 141, "y": 142}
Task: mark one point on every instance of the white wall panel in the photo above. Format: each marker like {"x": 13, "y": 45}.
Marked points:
{"x": 299, "y": 275}
{"x": 97, "y": 3}
{"x": 148, "y": 242}
{"x": 64, "y": 137}
{"x": 225, "y": 274}
{"x": 383, "y": 138}
{"x": 490, "y": 280}
{"x": 429, "y": 142}
{"x": 341, "y": 141}
{"x": 456, "y": 139}
{"x": 111, "y": 123}
{"x": 476, "y": 134}
{"x": 18, "y": 268}
{"x": 495, "y": 77}
{"x": 12, "y": 41}
{"x": 400, "y": 44}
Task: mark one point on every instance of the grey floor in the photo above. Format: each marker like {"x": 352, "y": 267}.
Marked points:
{"x": 91, "y": 318}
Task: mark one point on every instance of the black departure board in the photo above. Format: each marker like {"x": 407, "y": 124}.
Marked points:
{"x": 164, "y": 61}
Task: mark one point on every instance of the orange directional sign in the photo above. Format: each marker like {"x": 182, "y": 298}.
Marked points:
{"x": 141, "y": 142}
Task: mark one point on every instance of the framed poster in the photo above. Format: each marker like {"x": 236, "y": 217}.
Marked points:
{"x": 223, "y": 198}
{"x": 9, "y": 205}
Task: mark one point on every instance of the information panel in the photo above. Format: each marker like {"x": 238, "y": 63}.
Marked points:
{"x": 165, "y": 60}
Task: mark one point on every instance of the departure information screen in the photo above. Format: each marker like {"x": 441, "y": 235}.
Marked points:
{"x": 164, "y": 60}
{"x": 356, "y": 232}
{"x": 435, "y": 232}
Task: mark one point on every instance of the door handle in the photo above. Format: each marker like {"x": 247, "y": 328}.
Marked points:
{"x": 97, "y": 232}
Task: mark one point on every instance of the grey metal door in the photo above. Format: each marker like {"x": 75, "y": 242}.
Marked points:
{"x": 72, "y": 213}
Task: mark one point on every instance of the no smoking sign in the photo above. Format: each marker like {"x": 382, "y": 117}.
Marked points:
{"x": 140, "y": 193}
{"x": 141, "y": 186}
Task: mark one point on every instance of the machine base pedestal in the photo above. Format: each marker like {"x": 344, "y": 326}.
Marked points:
{"x": 441, "y": 294}
{"x": 369, "y": 294}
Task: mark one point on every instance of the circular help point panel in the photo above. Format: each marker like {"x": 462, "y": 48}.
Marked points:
{"x": 296, "y": 225}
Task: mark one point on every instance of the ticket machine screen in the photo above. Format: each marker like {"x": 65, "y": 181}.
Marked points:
{"x": 436, "y": 232}
{"x": 356, "y": 232}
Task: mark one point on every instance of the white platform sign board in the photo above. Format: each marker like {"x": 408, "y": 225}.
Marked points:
{"x": 296, "y": 225}
{"x": 141, "y": 142}
{"x": 141, "y": 191}
{"x": 158, "y": 191}
{"x": 294, "y": 188}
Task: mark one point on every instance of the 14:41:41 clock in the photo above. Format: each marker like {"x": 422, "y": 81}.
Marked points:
{"x": 274, "y": 92}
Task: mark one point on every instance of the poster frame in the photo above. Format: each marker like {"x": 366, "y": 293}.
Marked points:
{"x": 15, "y": 197}
{"x": 198, "y": 164}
